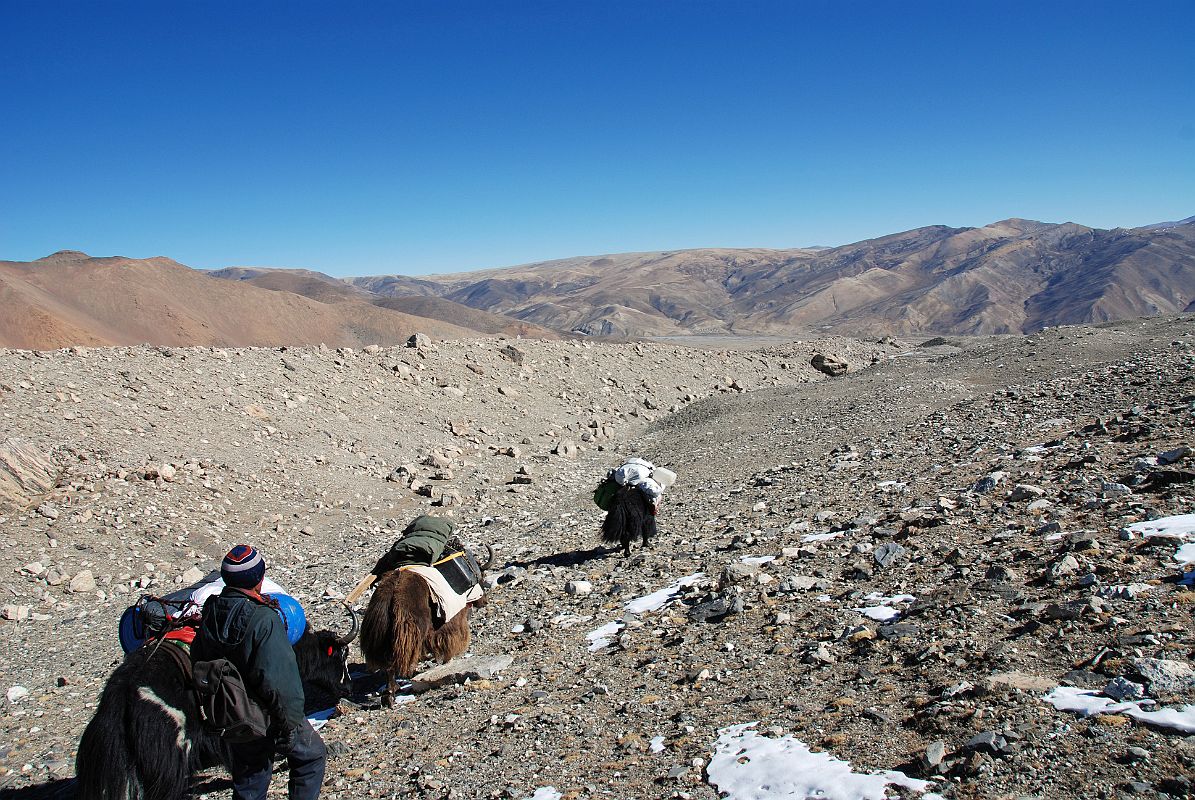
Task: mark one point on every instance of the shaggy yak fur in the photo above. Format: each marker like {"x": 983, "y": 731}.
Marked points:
{"x": 400, "y": 629}
{"x": 630, "y": 517}
{"x": 146, "y": 739}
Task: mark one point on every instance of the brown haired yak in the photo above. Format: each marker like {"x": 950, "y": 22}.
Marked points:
{"x": 402, "y": 627}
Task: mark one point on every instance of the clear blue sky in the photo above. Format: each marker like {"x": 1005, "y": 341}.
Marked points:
{"x": 363, "y": 138}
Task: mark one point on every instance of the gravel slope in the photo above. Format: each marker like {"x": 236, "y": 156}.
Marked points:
{"x": 868, "y": 484}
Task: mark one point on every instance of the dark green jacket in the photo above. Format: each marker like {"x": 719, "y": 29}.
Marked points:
{"x": 252, "y": 636}
{"x": 422, "y": 542}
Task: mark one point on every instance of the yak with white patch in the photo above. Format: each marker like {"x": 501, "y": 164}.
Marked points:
{"x": 146, "y": 740}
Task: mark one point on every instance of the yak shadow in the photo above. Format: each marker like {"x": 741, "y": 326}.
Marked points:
{"x": 61, "y": 789}
{"x": 569, "y": 559}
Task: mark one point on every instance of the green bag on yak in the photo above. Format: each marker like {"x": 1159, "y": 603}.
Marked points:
{"x": 603, "y": 495}
{"x": 422, "y": 542}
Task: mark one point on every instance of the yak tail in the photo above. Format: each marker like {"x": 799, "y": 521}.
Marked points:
{"x": 624, "y": 517}
{"x": 103, "y": 768}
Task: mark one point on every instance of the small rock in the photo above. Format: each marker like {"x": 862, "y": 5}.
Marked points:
{"x": 83, "y": 581}
{"x": 1122, "y": 689}
{"x": 193, "y": 575}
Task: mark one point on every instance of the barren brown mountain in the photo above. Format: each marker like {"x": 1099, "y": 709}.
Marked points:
{"x": 1008, "y": 277}
{"x": 327, "y": 289}
{"x": 70, "y": 298}
{"x": 1014, "y": 276}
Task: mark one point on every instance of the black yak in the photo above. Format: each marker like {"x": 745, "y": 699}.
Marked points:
{"x": 631, "y": 516}
{"x": 146, "y": 740}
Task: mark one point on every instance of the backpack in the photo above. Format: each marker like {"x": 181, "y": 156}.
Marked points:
{"x": 225, "y": 706}
{"x": 603, "y": 495}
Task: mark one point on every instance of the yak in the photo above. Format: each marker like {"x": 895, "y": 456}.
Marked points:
{"x": 146, "y": 740}
{"x": 401, "y": 627}
{"x": 631, "y": 515}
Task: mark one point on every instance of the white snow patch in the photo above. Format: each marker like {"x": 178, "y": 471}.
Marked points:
{"x": 1181, "y": 527}
{"x": 657, "y": 744}
{"x": 604, "y": 635}
{"x": 822, "y": 537}
{"x": 657, "y": 600}
{"x": 883, "y": 612}
{"x": 757, "y": 559}
{"x": 1089, "y": 704}
{"x": 748, "y": 766}
{"x": 879, "y": 613}
{"x": 545, "y": 793}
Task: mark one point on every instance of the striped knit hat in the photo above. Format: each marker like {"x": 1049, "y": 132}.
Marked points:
{"x": 243, "y": 567}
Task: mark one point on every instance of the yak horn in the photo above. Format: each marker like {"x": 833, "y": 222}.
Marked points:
{"x": 489, "y": 551}
{"x": 352, "y": 634}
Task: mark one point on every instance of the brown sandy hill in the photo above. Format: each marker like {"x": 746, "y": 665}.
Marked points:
{"x": 70, "y": 298}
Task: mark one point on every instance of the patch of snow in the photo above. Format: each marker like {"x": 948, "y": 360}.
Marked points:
{"x": 883, "y": 612}
{"x": 545, "y": 793}
{"x": 879, "y": 613}
{"x": 657, "y": 744}
{"x": 822, "y": 537}
{"x": 657, "y": 600}
{"x": 748, "y": 766}
{"x": 757, "y": 559}
{"x": 1180, "y": 527}
{"x": 603, "y": 636}
{"x": 1089, "y": 703}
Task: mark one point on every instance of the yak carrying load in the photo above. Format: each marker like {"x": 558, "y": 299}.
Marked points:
{"x": 426, "y": 583}
{"x": 630, "y": 495}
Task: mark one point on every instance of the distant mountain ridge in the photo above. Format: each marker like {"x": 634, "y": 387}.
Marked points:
{"x": 1013, "y": 276}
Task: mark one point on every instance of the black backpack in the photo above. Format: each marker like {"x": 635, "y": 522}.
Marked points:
{"x": 225, "y": 706}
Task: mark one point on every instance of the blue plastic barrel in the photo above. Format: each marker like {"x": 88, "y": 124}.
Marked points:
{"x": 292, "y": 615}
{"x": 132, "y": 634}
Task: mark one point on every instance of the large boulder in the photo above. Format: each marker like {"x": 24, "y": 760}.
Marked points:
{"x": 831, "y": 365}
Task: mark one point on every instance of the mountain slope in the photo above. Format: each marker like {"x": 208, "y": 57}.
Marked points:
{"x": 326, "y": 289}
{"x": 71, "y": 298}
{"x": 1011, "y": 276}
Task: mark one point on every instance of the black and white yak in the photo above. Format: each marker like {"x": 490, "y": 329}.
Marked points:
{"x": 146, "y": 740}
{"x": 631, "y": 516}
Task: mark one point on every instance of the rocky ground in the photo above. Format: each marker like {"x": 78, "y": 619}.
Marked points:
{"x": 979, "y": 489}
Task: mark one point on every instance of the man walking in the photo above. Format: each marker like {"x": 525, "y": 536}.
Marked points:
{"x": 243, "y": 626}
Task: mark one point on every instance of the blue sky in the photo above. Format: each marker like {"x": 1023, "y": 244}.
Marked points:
{"x": 365, "y": 138}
